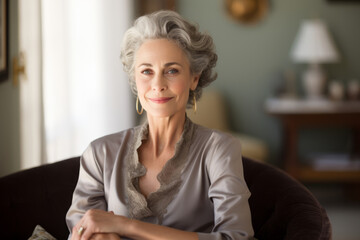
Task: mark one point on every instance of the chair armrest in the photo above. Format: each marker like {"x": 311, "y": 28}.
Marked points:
{"x": 281, "y": 207}
{"x": 40, "y": 195}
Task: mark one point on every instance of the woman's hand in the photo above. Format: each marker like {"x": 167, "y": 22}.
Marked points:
{"x": 98, "y": 221}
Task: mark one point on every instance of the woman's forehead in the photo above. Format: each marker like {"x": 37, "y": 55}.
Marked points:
{"x": 154, "y": 50}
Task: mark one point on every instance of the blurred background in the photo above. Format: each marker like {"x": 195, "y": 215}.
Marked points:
{"x": 73, "y": 89}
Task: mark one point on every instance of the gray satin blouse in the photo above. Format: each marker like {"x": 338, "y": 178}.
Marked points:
{"x": 202, "y": 187}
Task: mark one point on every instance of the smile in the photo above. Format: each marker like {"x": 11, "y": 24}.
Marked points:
{"x": 160, "y": 100}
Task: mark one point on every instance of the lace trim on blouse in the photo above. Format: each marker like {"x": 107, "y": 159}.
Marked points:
{"x": 169, "y": 177}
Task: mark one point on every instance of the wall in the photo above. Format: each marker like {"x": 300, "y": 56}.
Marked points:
{"x": 252, "y": 58}
{"x": 9, "y": 106}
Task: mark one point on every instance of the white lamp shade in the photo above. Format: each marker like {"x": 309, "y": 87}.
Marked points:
{"x": 313, "y": 44}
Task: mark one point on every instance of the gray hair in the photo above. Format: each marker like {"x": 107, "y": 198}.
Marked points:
{"x": 198, "y": 47}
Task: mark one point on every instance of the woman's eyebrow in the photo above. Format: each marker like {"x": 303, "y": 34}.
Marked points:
{"x": 145, "y": 65}
{"x": 172, "y": 63}
{"x": 166, "y": 64}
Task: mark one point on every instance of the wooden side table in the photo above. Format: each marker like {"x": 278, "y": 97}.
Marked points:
{"x": 296, "y": 114}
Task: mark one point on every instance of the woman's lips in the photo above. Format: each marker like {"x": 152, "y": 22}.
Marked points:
{"x": 160, "y": 100}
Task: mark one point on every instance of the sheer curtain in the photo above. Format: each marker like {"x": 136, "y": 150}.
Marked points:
{"x": 85, "y": 92}
{"x": 30, "y": 85}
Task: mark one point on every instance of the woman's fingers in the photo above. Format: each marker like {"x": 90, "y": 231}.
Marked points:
{"x": 75, "y": 233}
{"x": 96, "y": 221}
{"x": 81, "y": 230}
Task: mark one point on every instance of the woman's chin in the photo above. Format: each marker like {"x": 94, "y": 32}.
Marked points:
{"x": 163, "y": 114}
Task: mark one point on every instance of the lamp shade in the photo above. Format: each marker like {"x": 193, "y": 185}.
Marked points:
{"x": 313, "y": 44}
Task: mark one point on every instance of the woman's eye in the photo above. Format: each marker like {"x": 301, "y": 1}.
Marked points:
{"x": 172, "y": 71}
{"x": 146, "y": 72}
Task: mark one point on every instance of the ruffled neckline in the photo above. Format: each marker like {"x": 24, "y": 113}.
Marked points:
{"x": 169, "y": 178}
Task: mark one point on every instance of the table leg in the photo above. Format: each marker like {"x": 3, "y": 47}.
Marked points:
{"x": 290, "y": 148}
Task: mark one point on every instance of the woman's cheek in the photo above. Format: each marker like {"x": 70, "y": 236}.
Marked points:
{"x": 140, "y": 85}
{"x": 182, "y": 89}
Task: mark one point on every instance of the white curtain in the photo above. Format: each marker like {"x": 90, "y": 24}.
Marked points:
{"x": 86, "y": 94}
{"x": 30, "y": 85}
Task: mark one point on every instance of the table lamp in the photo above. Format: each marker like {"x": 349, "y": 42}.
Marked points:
{"x": 313, "y": 45}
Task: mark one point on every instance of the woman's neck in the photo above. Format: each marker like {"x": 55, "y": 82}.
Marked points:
{"x": 164, "y": 133}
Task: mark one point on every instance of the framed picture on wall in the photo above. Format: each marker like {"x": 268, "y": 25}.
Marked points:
{"x": 4, "y": 44}
{"x": 148, "y": 6}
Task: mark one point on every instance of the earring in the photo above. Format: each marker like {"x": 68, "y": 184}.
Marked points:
{"x": 194, "y": 104}
{"x": 137, "y": 106}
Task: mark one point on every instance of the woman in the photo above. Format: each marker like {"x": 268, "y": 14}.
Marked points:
{"x": 169, "y": 178}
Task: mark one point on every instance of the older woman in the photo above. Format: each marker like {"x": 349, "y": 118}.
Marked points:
{"x": 168, "y": 178}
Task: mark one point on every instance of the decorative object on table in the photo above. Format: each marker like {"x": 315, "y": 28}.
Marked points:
{"x": 353, "y": 89}
{"x": 290, "y": 84}
{"x": 336, "y": 90}
{"x": 283, "y": 85}
{"x": 246, "y": 11}
{"x": 313, "y": 45}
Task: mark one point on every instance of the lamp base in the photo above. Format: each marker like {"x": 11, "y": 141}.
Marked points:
{"x": 314, "y": 81}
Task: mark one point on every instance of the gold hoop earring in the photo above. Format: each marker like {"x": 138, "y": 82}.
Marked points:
{"x": 137, "y": 106}
{"x": 194, "y": 104}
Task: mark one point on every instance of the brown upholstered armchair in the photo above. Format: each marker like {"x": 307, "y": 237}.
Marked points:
{"x": 281, "y": 207}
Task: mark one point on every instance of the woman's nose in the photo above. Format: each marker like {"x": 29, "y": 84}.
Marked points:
{"x": 159, "y": 83}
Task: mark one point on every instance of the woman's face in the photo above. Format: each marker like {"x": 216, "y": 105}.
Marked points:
{"x": 163, "y": 78}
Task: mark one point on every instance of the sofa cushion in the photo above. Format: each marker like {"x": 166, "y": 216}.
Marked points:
{"x": 41, "y": 234}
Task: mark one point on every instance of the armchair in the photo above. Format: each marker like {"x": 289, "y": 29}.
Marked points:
{"x": 281, "y": 207}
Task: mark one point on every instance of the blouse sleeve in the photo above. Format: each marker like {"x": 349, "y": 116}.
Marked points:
{"x": 89, "y": 191}
{"x": 228, "y": 192}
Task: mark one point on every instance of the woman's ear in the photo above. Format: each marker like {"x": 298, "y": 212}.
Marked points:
{"x": 195, "y": 81}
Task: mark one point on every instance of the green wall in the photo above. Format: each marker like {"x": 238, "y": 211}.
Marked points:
{"x": 253, "y": 57}
{"x": 9, "y": 107}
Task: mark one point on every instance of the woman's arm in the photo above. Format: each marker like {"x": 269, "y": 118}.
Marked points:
{"x": 105, "y": 236}
{"x": 89, "y": 191}
{"x": 98, "y": 221}
{"x": 141, "y": 230}
{"x": 228, "y": 190}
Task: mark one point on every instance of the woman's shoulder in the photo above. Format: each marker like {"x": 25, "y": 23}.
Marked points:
{"x": 218, "y": 149}
{"x": 116, "y": 140}
{"x": 215, "y": 142}
{"x": 110, "y": 147}
{"x": 213, "y": 136}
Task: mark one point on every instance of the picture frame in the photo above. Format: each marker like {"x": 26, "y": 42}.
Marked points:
{"x": 148, "y": 6}
{"x": 4, "y": 40}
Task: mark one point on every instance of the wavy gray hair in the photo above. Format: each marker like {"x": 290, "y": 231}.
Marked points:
{"x": 198, "y": 47}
